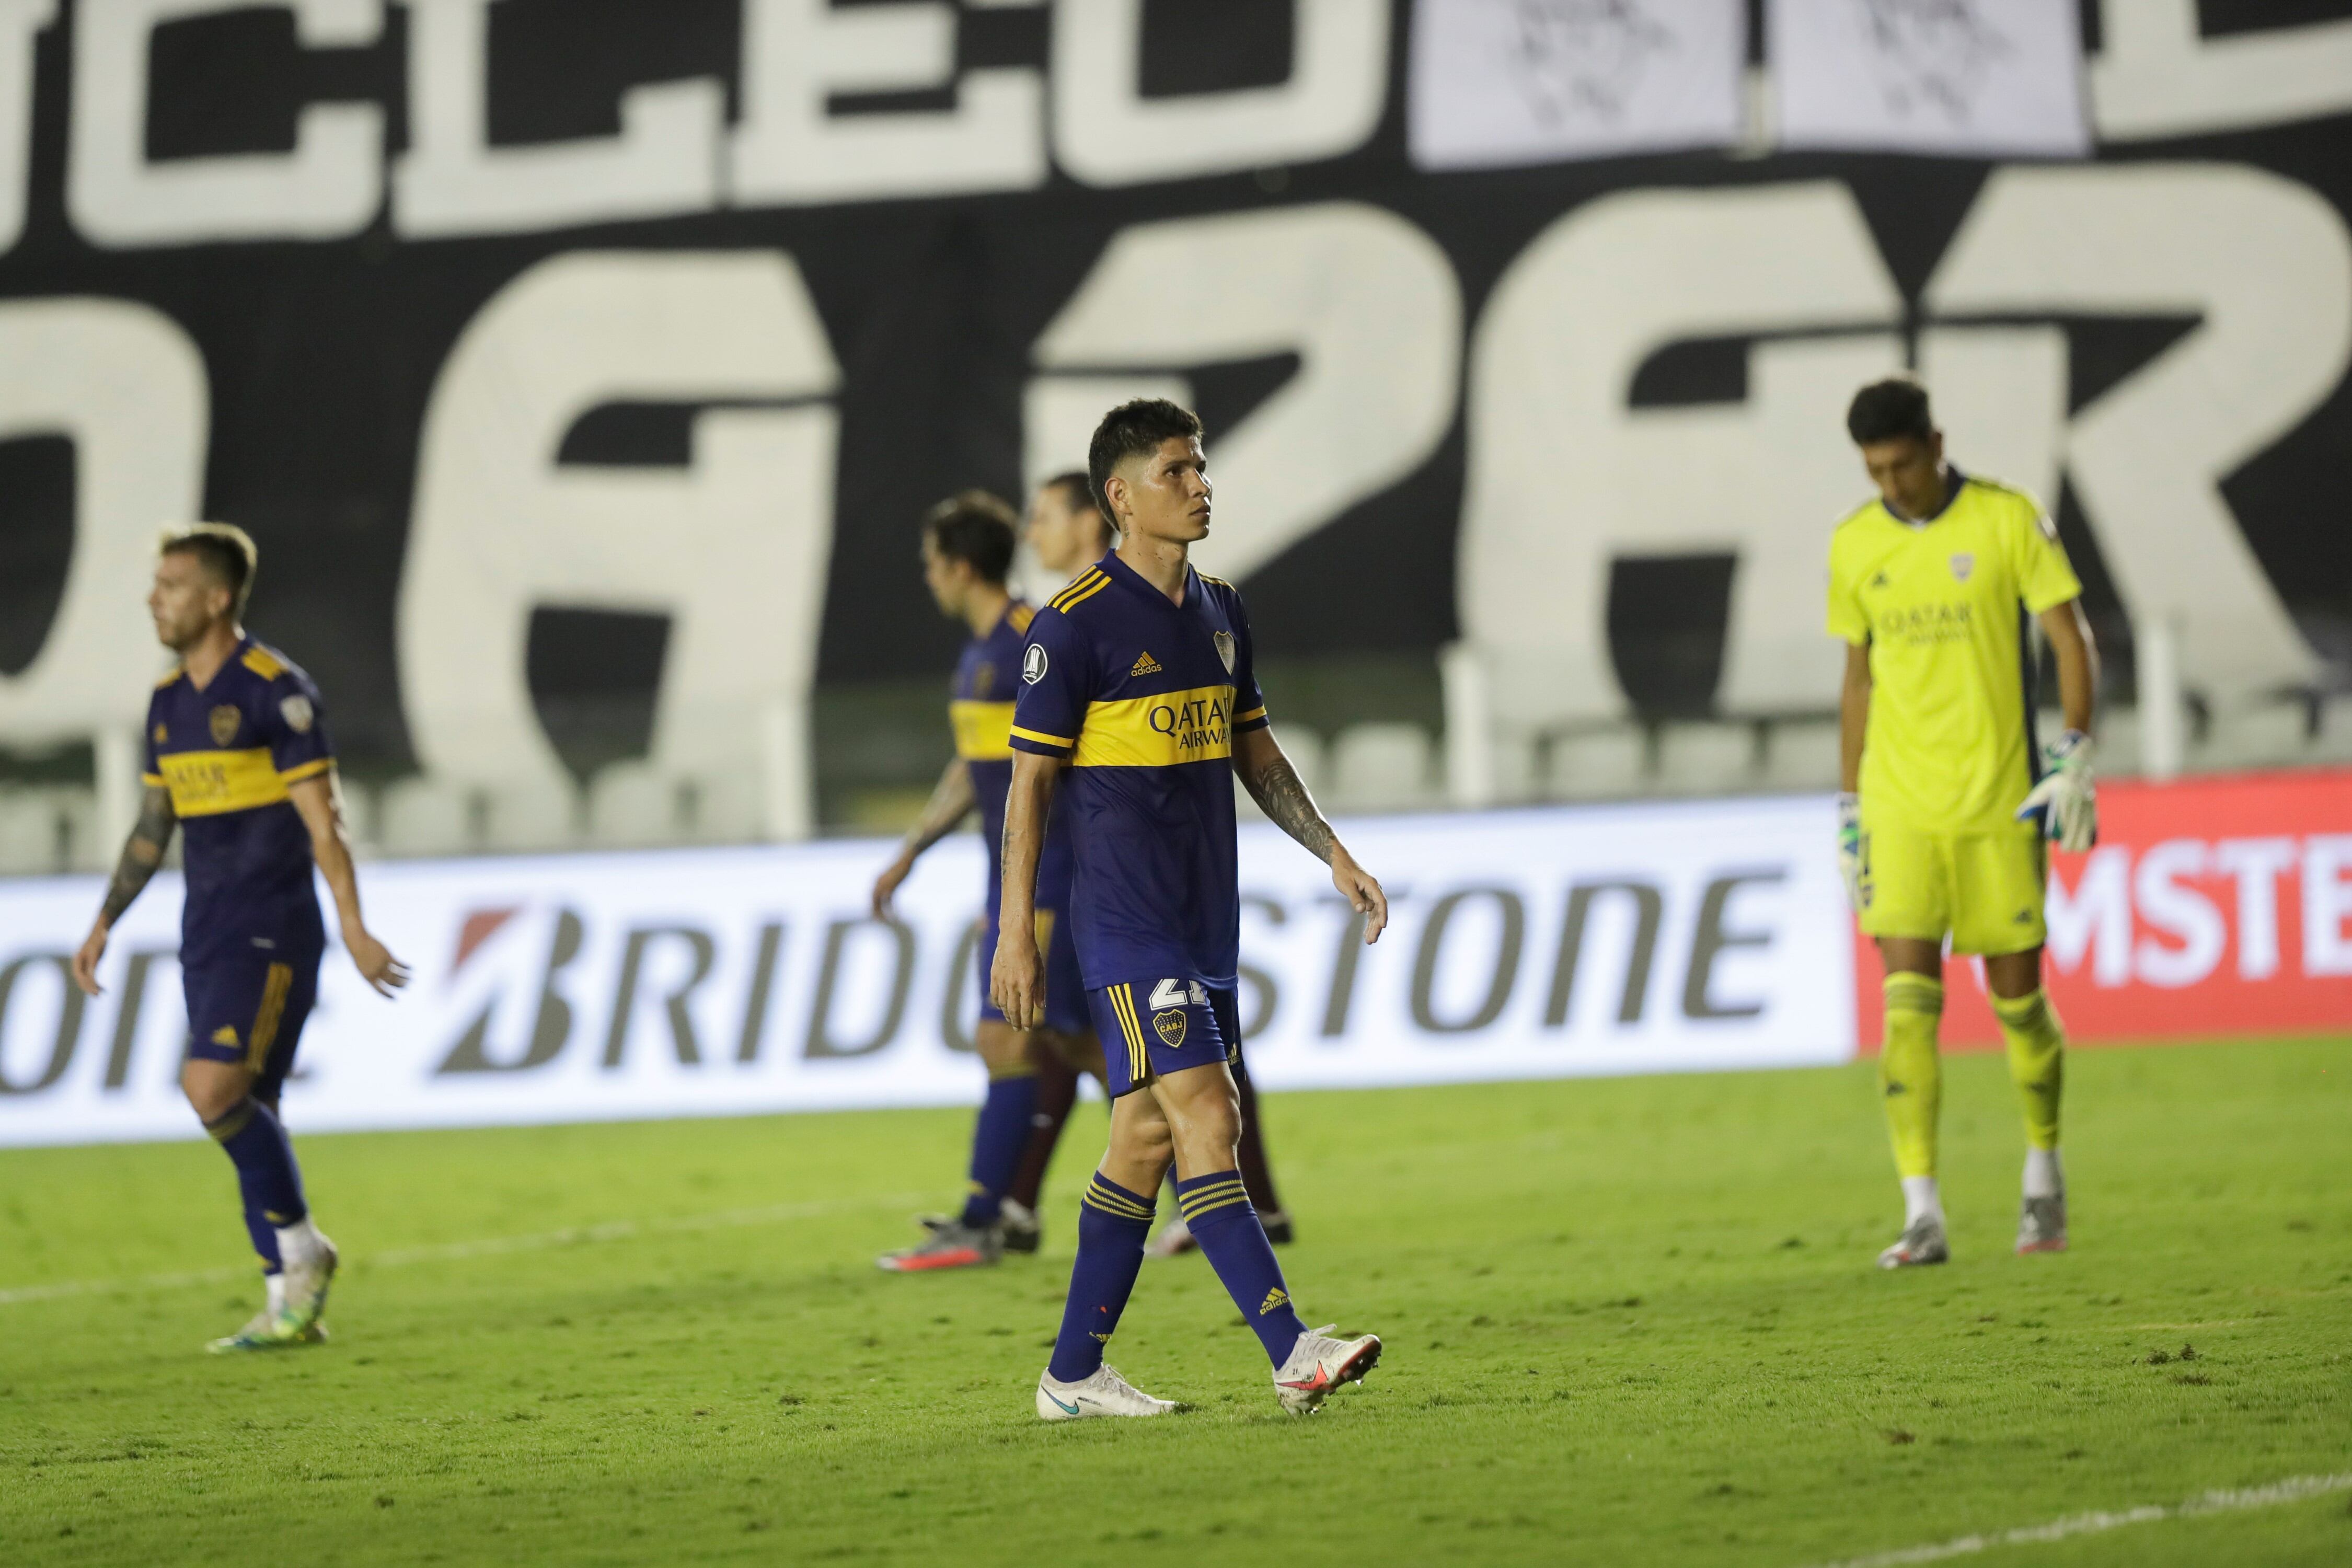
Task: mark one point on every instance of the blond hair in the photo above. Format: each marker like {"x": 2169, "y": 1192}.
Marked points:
{"x": 227, "y": 550}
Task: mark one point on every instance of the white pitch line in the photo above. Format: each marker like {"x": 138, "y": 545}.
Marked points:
{"x": 488, "y": 1246}
{"x": 2295, "y": 1488}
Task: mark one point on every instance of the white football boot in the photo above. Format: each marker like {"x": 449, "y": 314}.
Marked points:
{"x": 1319, "y": 1363}
{"x": 1104, "y": 1394}
{"x": 306, "y": 1280}
{"x": 1921, "y": 1242}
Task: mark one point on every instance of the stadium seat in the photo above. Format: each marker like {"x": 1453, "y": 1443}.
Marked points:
{"x": 2254, "y": 735}
{"x": 1705, "y": 757}
{"x": 531, "y": 813}
{"x": 1800, "y": 755}
{"x": 31, "y": 833}
{"x": 426, "y": 815}
{"x": 632, "y": 804}
{"x": 1382, "y": 767}
{"x": 1596, "y": 764}
{"x": 723, "y": 806}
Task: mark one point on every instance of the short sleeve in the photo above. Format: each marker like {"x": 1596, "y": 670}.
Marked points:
{"x": 1249, "y": 702}
{"x": 296, "y": 727}
{"x": 1847, "y": 619}
{"x": 1057, "y": 684}
{"x": 151, "y": 767}
{"x": 2045, "y": 578}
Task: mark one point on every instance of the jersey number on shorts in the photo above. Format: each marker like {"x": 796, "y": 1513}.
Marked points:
{"x": 1176, "y": 994}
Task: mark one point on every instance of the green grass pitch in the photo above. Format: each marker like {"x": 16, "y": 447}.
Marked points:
{"x": 1631, "y": 1321}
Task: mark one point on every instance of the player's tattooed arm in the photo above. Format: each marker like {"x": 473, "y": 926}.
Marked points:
{"x": 143, "y": 852}
{"x": 951, "y": 800}
{"x": 1282, "y": 795}
{"x": 1016, "y": 982}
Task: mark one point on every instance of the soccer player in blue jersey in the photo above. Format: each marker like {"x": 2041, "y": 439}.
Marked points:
{"x": 238, "y": 752}
{"x": 1067, "y": 535}
{"x": 1138, "y": 707}
{"x": 968, "y": 541}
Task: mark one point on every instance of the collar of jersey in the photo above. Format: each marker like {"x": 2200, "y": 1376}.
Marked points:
{"x": 1126, "y": 576}
{"x": 1951, "y": 498}
{"x": 236, "y": 656}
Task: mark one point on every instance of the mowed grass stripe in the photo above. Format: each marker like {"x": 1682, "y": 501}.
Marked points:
{"x": 1628, "y": 1320}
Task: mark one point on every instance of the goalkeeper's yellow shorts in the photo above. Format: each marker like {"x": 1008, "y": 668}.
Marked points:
{"x": 1984, "y": 889}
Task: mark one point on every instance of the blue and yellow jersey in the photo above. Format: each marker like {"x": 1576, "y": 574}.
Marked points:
{"x": 1143, "y": 699}
{"x": 1945, "y": 606}
{"x": 228, "y": 753}
{"x": 981, "y": 710}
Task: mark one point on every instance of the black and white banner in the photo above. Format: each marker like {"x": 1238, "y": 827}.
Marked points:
{"x": 1538, "y": 945}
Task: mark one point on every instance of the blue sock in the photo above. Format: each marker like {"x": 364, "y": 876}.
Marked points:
{"x": 1112, "y": 1225}
{"x": 255, "y": 1140}
{"x": 998, "y": 1140}
{"x": 1217, "y": 1207}
{"x": 265, "y": 1239}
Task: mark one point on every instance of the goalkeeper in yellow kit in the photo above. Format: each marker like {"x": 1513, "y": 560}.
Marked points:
{"x": 1947, "y": 804}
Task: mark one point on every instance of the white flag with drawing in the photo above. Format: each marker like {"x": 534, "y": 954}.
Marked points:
{"x": 1970, "y": 78}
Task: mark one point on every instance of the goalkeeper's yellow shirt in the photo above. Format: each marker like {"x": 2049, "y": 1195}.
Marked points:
{"x": 1946, "y": 607}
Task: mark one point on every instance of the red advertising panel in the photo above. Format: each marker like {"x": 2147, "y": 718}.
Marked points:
{"x": 2211, "y": 907}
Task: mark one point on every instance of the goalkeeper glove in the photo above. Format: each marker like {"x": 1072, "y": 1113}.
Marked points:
{"x": 1850, "y": 848}
{"x": 2065, "y": 802}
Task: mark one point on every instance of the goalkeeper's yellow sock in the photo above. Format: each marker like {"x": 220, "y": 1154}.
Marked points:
{"x": 2037, "y": 1062}
{"x": 1911, "y": 1079}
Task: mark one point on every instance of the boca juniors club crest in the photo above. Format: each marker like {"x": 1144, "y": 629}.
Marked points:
{"x": 1224, "y": 641}
{"x": 1962, "y": 564}
{"x": 1169, "y": 1026}
{"x": 225, "y": 720}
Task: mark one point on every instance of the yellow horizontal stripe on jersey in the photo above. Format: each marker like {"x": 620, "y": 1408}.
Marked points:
{"x": 308, "y": 770}
{"x": 1076, "y": 597}
{"x": 983, "y": 730}
{"x": 261, "y": 661}
{"x": 206, "y": 783}
{"x": 1043, "y": 738}
{"x": 1252, "y": 717}
{"x": 1158, "y": 731}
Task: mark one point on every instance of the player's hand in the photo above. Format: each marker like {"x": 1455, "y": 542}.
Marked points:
{"x": 2067, "y": 802}
{"x": 1016, "y": 981}
{"x": 886, "y": 886}
{"x": 1849, "y": 849}
{"x": 376, "y": 963}
{"x": 85, "y": 962}
{"x": 1362, "y": 891}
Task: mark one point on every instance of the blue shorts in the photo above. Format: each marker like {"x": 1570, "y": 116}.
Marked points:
{"x": 249, "y": 1005}
{"x": 1065, "y": 991}
{"x": 1152, "y": 1028}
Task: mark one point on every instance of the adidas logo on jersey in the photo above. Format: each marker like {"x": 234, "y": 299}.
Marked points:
{"x": 1147, "y": 665}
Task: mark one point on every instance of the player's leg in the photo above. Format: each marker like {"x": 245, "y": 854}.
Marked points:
{"x": 1175, "y": 1237}
{"x": 2002, "y": 879}
{"x": 972, "y": 1238}
{"x": 1114, "y": 1217}
{"x": 309, "y": 1257}
{"x": 237, "y": 1010}
{"x": 1907, "y": 903}
{"x": 1065, "y": 1047}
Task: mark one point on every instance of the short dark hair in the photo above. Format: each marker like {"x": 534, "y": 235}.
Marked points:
{"x": 1077, "y": 488}
{"x": 223, "y": 550}
{"x": 1133, "y": 430}
{"x": 1889, "y": 410}
{"x": 976, "y": 528}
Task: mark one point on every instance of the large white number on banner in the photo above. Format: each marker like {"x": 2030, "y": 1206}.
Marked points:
{"x": 2267, "y": 266}
{"x": 1565, "y": 474}
{"x": 452, "y": 181}
{"x": 733, "y": 547}
{"x": 19, "y": 20}
{"x": 1106, "y": 132}
{"x": 127, "y": 387}
{"x": 798, "y": 53}
{"x": 1367, "y": 302}
{"x": 2158, "y": 75}
{"x": 328, "y": 186}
